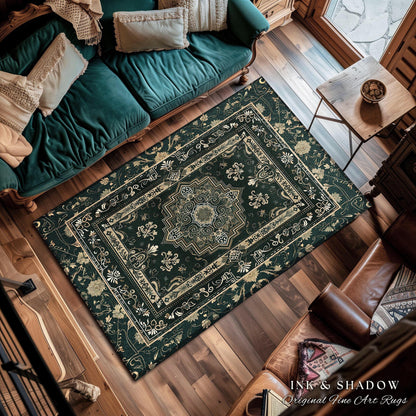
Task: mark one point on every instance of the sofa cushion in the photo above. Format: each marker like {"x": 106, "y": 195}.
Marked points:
{"x": 151, "y": 30}
{"x": 81, "y": 129}
{"x": 24, "y": 50}
{"x": 162, "y": 81}
{"x": 204, "y": 15}
{"x": 19, "y": 98}
{"x": 57, "y": 69}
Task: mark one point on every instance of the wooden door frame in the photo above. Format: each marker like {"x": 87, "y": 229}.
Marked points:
{"x": 391, "y": 55}
{"x": 337, "y": 44}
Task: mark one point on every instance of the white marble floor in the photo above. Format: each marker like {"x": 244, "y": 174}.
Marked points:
{"x": 369, "y": 24}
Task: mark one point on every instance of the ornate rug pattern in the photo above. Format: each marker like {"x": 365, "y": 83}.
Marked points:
{"x": 173, "y": 240}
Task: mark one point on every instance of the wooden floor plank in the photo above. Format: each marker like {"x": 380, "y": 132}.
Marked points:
{"x": 235, "y": 334}
{"x": 226, "y": 357}
{"x": 305, "y": 286}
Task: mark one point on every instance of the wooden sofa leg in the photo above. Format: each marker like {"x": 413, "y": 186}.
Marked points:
{"x": 244, "y": 77}
{"x": 30, "y": 206}
{"x": 17, "y": 200}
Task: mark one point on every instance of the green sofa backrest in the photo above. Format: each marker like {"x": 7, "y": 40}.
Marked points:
{"x": 111, "y": 6}
{"x": 21, "y": 50}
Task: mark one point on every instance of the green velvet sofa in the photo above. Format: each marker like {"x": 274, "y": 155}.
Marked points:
{"x": 120, "y": 96}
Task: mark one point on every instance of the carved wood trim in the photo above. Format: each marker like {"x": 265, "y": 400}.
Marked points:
{"x": 18, "y": 200}
{"x": 18, "y": 18}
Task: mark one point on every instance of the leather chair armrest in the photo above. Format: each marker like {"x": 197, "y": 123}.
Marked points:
{"x": 340, "y": 313}
{"x": 263, "y": 380}
{"x": 402, "y": 236}
{"x": 369, "y": 280}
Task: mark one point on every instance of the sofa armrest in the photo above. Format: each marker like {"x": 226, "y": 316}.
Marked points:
{"x": 8, "y": 179}
{"x": 369, "y": 280}
{"x": 340, "y": 313}
{"x": 246, "y": 21}
{"x": 402, "y": 236}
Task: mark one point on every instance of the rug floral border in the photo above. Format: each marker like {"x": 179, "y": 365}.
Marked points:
{"x": 137, "y": 355}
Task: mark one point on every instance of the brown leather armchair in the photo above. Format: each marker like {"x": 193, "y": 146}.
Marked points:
{"x": 343, "y": 315}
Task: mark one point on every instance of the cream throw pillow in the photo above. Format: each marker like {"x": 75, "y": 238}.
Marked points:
{"x": 204, "y": 15}
{"x": 57, "y": 69}
{"x": 13, "y": 146}
{"x": 19, "y": 98}
{"x": 151, "y": 30}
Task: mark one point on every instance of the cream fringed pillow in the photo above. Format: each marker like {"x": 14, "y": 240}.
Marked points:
{"x": 13, "y": 146}
{"x": 204, "y": 15}
{"x": 57, "y": 69}
{"x": 19, "y": 98}
{"x": 151, "y": 30}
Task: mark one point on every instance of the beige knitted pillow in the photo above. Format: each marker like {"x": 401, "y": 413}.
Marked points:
{"x": 19, "y": 98}
{"x": 151, "y": 30}
{"x": 57, "y": 69}
{"x": 204, "y": 15}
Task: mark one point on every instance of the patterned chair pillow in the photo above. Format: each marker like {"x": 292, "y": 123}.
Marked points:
{"x": 399, "y": 300}
{"x": 318, "y": 359}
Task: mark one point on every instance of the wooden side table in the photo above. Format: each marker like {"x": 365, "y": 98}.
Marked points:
{"x": 342, "y": 94}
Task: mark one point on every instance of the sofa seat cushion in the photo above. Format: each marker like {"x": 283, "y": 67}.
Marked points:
{"x": 164, "y": 80}
{"x": 83, "y": 127}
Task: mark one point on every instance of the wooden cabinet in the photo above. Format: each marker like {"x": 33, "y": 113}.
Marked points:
{"x": 277, "y": 12}
{"x": 396, "y": 179}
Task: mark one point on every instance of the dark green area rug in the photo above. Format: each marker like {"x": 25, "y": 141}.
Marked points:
{"x": 173, "y": 240}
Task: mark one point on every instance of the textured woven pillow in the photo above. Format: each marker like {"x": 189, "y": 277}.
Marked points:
{"x": 204, "y": 15}
{"x": 399, "y": 300}
{"x": 19, "y": 98}
{"x": 57, "y": 69}
{"x": 318, "y": 359}
{"x": 13, "y": 146}
{"x": 151, "y": 30}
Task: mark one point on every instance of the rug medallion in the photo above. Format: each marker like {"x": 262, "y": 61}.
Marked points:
{"x": 173, "y": 240}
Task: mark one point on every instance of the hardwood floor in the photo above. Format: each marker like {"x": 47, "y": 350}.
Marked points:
{"x": 206, "y": 376}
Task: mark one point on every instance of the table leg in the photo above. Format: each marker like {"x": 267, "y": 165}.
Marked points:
{"x": 351, "y": 153}
{"x": 314, "y": 116}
